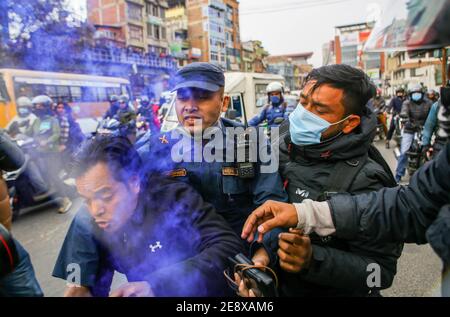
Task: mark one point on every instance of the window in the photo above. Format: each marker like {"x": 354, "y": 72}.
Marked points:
{"x": 214, "y": 57}
{"x": 260, "y": 95}
{"x": 150, "y": 30}
{"x": 163, "y": 33}
{"x": 102, "y": 95}
{"x": 162, "y": 13}
{"x": 134, "y": 12}
{"x": 75, "y": 92}
{"x": 135, "y": 33}
{"x": 149, "y": 8}
{"x": 155, "y": 11}
{"x": 89, "y": 94}
{"x": 156, "y": 32}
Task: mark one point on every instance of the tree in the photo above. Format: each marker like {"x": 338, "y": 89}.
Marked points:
{"x": 43, "y": 34}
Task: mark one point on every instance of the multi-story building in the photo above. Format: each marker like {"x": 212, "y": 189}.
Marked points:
{"x": 254, "y": 57}
{"x": 232, "y": 36}
{"x": 177, "y": 32}
{"x": 213, "y": 31}
{"x": 349, "y": 42}
{"x": 293, "y": 67}
{"x": 248, "y": 57}
{"x": 404, "y": 70}
{"x": 138, "y": 24}
{"x": 131, "y": 41}
{"x": 206, "y": 30}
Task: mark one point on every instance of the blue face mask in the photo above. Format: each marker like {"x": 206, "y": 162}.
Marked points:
{"x": 275, "y": 100}
{"x": 417, "y": 96}
{"x": 306, "y": 128}
{"x": 23, "y": 112}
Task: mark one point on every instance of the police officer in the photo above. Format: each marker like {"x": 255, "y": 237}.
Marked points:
{"x": 275, "y": 111}
{"x": 200, "y": 98}
{"x": 113, "y": 107}
{"x": 25, "y": 117}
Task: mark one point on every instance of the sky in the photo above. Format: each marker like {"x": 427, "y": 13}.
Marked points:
{"x": 297, "y": 26}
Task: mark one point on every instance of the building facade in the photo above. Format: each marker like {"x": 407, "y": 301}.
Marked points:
{"x": 214, "y": 34}
{"x": 293, "y": 67}
{"x": 404, "y": 69}
{"x": 137, "y": 24}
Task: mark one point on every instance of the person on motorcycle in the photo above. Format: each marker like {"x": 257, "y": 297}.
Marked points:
{"x": 24, "y": 119}
{"x": 275, "y": 111}
{"x": 415, "y": 112}
{"x": 146, "y": 114}
{"x": 394, "y": 108}
{"x": 113, "y": 107}
{"x": 431, "y": 127}
{"x": 432, "y": 96}
{"x": 47, "y": 133}
{"x": 126, "y": 112}
{"x": 378, "y": 106}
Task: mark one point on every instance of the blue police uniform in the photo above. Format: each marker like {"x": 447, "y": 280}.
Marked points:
{"x": 270, "y": 113}
{"x": 174, "y": 241}
{"x": 218, "y": 182}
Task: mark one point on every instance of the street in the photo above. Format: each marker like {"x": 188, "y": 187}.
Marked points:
{"x": 42, "y": 234}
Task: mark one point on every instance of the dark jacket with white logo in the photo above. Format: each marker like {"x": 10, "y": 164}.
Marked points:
{"x": 339, "y": 267}
{"x": 174, "y": 241}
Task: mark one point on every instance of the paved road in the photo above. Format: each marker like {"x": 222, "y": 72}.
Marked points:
{"x": 42, "y": 234}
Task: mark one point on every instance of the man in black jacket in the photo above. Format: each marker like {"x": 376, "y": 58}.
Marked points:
{"x": 415, "y": 112}
{"x": 323, "y": 151}
{"x": 156, "y": 231}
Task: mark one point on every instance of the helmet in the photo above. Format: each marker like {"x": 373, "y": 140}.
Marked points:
{"x": 145, "y": 101}
{"x": 124, "y": 98}
{"x": 275, "y": 87}
{"x": 415, "y": 88}
{"x": 46, "y": 101}
{"x": 24, "y": 102}
{"x": 113, "y": 98}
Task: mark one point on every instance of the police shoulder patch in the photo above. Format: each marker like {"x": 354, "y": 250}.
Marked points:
{"x": 181, "y": 172}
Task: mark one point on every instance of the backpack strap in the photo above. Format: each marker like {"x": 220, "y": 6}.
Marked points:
{"x": 387, "y": 179}
{"x": 341, "y": 179}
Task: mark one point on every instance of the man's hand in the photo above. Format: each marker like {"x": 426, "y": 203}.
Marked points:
{"x": 77, "y": 291}
{"x": 136, "y": 289}
{"x": 246, "y": 287}
{"x": 270, "y": 215}
{"x": 295, "y": 251}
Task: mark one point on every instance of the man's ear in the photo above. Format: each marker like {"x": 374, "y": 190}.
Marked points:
{"x": 135, "y": 184}
{"x": 225, "y": 103}
{"x": 351, "y": 123}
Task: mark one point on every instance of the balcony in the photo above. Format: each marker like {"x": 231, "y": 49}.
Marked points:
{"x": 121, "y": 56}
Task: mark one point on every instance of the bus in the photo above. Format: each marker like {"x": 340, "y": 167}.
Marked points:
{"x": 87, "y": 95}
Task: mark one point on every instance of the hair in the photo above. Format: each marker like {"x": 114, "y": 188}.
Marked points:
{"x": 356, "y": 85}
{"x": 117, "y": 152}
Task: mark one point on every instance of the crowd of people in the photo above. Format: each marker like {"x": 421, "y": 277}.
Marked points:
{"x": 171, "y": 225}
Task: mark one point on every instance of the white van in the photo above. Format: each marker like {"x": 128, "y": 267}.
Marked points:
{"x": 247, "y": 92}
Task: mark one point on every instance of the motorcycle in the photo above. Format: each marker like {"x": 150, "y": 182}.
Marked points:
{"x": 416, "y": 155}
{"x": 27, "y": 189}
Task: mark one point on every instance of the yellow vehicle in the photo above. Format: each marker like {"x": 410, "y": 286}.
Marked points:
{"x": 88, "y": 95}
